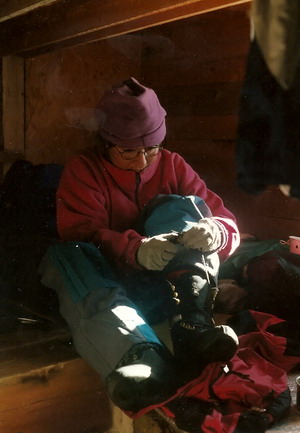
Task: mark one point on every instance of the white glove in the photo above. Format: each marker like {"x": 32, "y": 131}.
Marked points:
{"x": 156, "y": 252}
{"x": 205, "y": 236}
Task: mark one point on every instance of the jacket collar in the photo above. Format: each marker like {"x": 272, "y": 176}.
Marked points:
{"x": 128, "y": 177}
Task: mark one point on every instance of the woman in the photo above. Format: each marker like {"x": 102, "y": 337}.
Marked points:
{"x": 142, "y": 236}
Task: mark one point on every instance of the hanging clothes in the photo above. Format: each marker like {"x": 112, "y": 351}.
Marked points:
{"x": 276, "y": 29}
{"x": 267, "y": 150}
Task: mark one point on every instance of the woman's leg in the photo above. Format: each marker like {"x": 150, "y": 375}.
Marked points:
{"x": 111, "y": 334}
{"x": 193, "y": 275}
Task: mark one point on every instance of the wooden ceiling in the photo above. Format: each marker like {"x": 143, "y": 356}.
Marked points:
{"x": 31, "y": 27}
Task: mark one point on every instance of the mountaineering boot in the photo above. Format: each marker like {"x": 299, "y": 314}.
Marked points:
{"x": 145, "y": 376}
{"x": 196, "y": 340}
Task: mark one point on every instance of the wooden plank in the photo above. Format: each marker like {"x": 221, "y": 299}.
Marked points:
{"x": 276, "y": 216}
{"x": 193, "y": 69}
{"x": 64, "y": 397}
{"x": 75, "y": 21}
{"x": 208, "y": 99}
{"x": 60, "y": 103}
{"x": 266, "y": 227}
{"x": 25, "y": 350}
{"x": 221, "y": 35}
{"x": 269, "y": 215}
{"x": 13, "y": 8}
{"x": 222, "y": 127}
{"x": 13, "y": 109}
{"x": 13, "y": 103}
{"x": 45, "y": 387}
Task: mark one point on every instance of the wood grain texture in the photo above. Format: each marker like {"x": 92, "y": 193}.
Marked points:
{"x": 13, "y": 110}
{"x": 190, "y": 63}
{"x": 64, "y": 397}
{"x": 63, "y": 89}
{"x": 13, "y": 103}
{"x": 74, "y": 22}
{"x": 197, "y": 67}
{"x": 13, "y": 8}
{"x": 45, "y": 387}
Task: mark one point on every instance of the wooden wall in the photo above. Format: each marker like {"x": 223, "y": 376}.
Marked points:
{"x": 198, "y": 70}
{"x": 196, "y": 66}
{"x": 62, "y": 89}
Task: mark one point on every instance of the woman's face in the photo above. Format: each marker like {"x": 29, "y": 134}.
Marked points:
{"x": 141, "y": 157}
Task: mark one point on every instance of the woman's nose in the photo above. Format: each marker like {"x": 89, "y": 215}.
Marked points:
{"x": 141, "y": 157}
{"x": 140, "y": 161}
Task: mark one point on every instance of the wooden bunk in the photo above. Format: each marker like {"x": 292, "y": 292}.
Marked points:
{"x": 44, "y": 386}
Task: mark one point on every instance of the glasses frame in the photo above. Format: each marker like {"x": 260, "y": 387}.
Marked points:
{"x": 144, "y": 151}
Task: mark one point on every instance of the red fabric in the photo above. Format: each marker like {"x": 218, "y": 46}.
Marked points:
{"x": 256, "y": 377}
{"x": 271, "y": 347}
{"x": 216, "y": 419}
{"x": 273, "y": 283}
{"x": 264, "y": 320}
{"x": 100, "y": 203}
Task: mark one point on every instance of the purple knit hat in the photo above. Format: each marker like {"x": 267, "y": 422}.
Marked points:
{"x": 130, "y": 115}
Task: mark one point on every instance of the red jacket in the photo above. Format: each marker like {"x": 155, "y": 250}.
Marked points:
{"x": 100, "y": 203}
{"x": 252, "y": 393}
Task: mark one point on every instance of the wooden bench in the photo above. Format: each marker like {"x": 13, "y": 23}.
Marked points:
{"x": 45, "y": 387}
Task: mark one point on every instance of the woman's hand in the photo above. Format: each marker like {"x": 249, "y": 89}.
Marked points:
{"x": 205, "y": 236}
{"x": 156, "y": 252}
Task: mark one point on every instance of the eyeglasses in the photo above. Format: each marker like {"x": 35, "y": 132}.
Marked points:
{"x": 149, "y": 152}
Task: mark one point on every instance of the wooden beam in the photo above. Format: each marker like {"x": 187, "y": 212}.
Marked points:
{"x": 14, "y": 8}
{"x": 13, "y": 109}
{"x": 73, "y": 22}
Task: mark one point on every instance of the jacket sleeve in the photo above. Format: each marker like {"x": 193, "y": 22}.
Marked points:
{"x": 191, "y": 184}
{"x": 82, "y": 215}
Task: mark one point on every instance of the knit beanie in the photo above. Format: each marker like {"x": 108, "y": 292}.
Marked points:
{"x": 130, "y": 115}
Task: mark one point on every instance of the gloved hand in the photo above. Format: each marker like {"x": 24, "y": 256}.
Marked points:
{"x": 156, "y": 252}
{"x": 205, "y": 236}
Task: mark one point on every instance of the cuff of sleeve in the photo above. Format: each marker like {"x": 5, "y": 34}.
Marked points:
{"x": 223, "y": 234}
